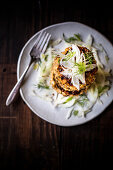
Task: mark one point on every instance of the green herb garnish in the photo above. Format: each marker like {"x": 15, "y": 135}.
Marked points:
{"x": 42, "y": 86}
{"x": 76, "y": 37}
{"x": 69, "y": 55}
{"x": 36, "y": 65}
{"x": 68, "y": 100}
{"x": 106, "y": 58}
{"x": 75, "y": 112}
{"x": 44, "y": 69}
{"x": 81, "y": 67}
{"x": 45, "y": 57}
{"x": 102, "y": 89}
{"x": 82, "y": 100}
{"x": 89, "y": 57}
{"x": 59, "y": 60}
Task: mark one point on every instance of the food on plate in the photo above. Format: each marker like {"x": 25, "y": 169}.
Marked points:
{"x": 73, "y": 71}
{"x": 73, "y": 74}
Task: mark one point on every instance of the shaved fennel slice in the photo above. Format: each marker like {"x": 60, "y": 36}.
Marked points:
{"x": 76, "y": 49}
{"x": 69, "y": 113}
{"x": 99, "y": 64}
{"x": 75, "y": 82}
{"x": 88, "y": 42}
{"x": 92, "y": 95}
{"x": 101, "y": 77}
{"x": 81, "y": 112}
{"x": 44, "y": 95}
{"x": 102, "y": 53}
{"x": 60, "y": 99}
{"x": 68, "y": 104}
{"x": 56, "y": 42}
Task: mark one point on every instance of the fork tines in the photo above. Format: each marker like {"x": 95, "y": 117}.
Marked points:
{"x": 42, "y": 41}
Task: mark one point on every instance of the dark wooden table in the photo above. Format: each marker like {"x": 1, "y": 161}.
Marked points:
{"x": 26, "y": 141}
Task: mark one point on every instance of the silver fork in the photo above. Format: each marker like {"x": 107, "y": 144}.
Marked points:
{"x": 38, "y": 48}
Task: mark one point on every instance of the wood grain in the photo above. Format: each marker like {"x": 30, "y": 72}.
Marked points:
{"x": 26, "y": 141}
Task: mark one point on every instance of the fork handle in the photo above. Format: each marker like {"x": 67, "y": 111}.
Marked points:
{"x": 17, "y": 86}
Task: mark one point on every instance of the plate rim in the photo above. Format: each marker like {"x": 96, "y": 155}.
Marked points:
{"x": 18, "y": 66}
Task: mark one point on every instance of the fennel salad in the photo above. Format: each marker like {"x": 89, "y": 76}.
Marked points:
{"x": 76, "y": 65}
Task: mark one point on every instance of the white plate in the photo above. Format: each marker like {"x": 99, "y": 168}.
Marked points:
{"x": 44, "y": 109}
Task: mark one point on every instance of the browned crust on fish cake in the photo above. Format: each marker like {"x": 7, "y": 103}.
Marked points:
{"x": 63, "y": 85}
